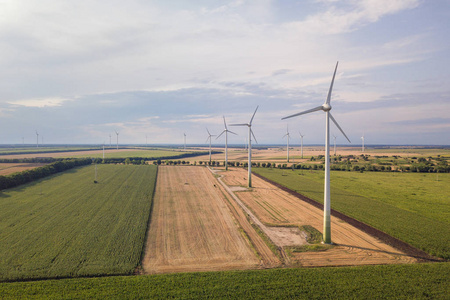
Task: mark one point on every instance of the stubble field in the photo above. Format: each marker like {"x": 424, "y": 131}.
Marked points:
{"x": 191, "y": 227}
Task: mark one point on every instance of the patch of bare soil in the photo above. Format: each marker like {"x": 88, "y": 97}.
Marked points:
{"x": 191, "y": 226}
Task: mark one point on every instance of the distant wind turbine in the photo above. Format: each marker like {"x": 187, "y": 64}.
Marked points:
{"x": 288, "y": 137}
{"x": 301, "y": 136}
{"x": 250, "y": 134}
{"x": 117, "y": 139}
{"x": 226, "y": 141}
{"x": 37, "y": 139}
{"x": 326, "y": 107}
{"x": 209, "y": 138}
{"x": 362, "y": 145}
{"x": 184, "y": 141}
{"x": 110, "y": 144}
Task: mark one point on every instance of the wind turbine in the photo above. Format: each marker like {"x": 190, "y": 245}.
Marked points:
{"x": 362, "y": 146}
{"x": 288, "y": 137}
{"x": 250, "y": 134}
{"x": 226, "y": 141}
{"x": 301, "y": 136}
{"x": 117, "y": 140}
{"x": 184, "y": 141}
{"x": 326, "y": 107}
{"x": 209, "y": 138}
{"x": 37, "y": 139}
{"x": 110, "y": 145}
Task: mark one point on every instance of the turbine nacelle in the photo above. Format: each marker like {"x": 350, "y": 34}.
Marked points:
{"x": 326, "y": 107}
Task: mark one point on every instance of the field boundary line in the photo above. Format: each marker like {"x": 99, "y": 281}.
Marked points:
{"x": 422, "y": 256}
{"x": 139, "y": 270}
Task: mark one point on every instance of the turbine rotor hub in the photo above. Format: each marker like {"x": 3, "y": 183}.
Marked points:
{"x": 326, "y": 107}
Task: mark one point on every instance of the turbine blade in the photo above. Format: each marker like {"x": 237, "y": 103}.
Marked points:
{"x": 207, "y": 139}
{"x": 304, "y": 112}
{"x": 253, "y": 115}
{"x": 253, "y": 135}
{"x": 331, "y": 86}
{"x": 224, "y": 122}
{"x": 337, "y": 125}
{"x": 220, "y": 134}
{"x": 208, "y": 131}
{"x": 232, "y": 132}
{"x": 239, "y": 124}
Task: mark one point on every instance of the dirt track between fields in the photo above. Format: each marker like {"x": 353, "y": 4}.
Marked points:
{"x": 276, "y": 207}
{"x": 192, "y": 228}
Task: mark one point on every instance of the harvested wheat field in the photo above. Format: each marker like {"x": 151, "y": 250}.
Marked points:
{"x": 192, "y": 227}
{"x": 10, "y": 168}
{"x": 275, "y": 207}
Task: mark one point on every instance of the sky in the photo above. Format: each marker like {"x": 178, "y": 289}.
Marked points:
{"x": 77, "y": 71}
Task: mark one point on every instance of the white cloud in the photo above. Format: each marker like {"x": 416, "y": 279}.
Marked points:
{"x": 39, "y": 102}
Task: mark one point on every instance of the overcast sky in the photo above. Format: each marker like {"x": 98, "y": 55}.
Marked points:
{"x": 76, "y": 71}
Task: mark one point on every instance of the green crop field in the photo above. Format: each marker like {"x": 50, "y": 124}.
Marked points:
{"x": 66, "y": 225}
{"x": 418, "y": 281}
{"x": 413, "y": 207}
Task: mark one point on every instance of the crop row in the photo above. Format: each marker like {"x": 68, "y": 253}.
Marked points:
{"x": 417, "y": 281}
{"x": 67, "y": 225}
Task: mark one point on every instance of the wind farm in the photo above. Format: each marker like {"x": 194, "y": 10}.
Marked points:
{"x": 243, "y": 170}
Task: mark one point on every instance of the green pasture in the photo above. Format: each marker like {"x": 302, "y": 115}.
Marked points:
{"x": 67, "y": 225}
{"x": 413, "y": 207}
{"x": 417, "y": 281}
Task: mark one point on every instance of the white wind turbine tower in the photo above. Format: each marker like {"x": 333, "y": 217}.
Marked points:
{"x": 362, "y": 145}
{"x": 117, "y": 140}
{"x": 37, "y": 139}
{"x": 326, "y": 107}
{"x": 301, "y": 137}
{"x": 226, "y": 141}
{"x": 288, "y": 137}
{"x": 209, "y": 138}
{"x": 110, "y": 144}
{"x": 250, "y": 134}
{"x": 184, "y": 141}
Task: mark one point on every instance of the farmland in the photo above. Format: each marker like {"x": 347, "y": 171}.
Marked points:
{"x": 411, "y": 207}
{"x": 191, "y": 227}
{"x": 109, "y": 153}
{"x": 10, "y": 168}
{"x": 417, "y": 281}
{"x": 66, "y": 225}
{"x": 277, "y": 209}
